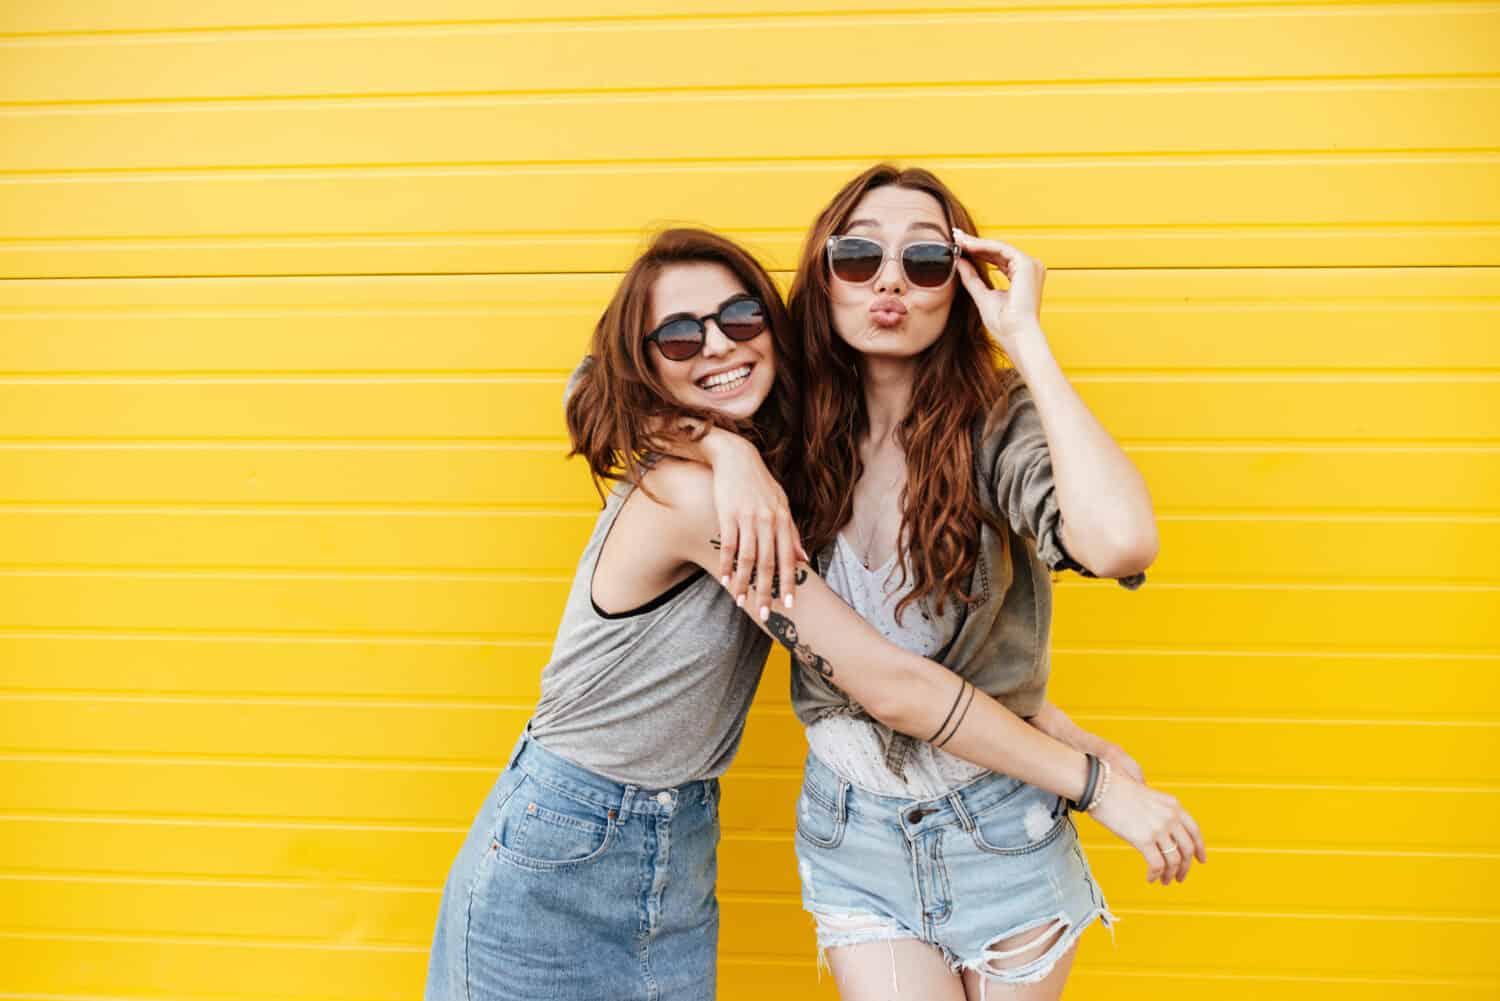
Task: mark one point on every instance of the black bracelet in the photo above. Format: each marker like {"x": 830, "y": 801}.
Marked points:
{"x": 1089, "y": 785}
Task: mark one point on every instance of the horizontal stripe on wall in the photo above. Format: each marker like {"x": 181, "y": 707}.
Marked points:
{"x": 1283, "y": 319}
{"x": 1233, "y": 549}
{"x": 1135, "y": 407}
{"x": 1034, "y": 46}
{"x": 1342, "y": 816}
{"x": 291, "y": 973}
{"x": 1087, "y": 682}
{"x": 181, "y": 15}
{"x": 1124, "y": 120}
{"x": 1145, "y": 939}
{"x": 1069, "y": 212}
{"x": 366, "y": 867}
{"x": 1183, "y": 478}
{"x": 1409, "y": 617}
{"x": 427, "y": 738}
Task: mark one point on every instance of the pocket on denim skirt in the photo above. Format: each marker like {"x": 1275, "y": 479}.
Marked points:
{"x": 538, "y": 828}
{"x": 1021, "y": 822}
{"x": 819, "y": 822}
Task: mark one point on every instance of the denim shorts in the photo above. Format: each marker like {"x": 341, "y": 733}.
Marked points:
{"x": 991, "y": 859}
{"x": 573, "y": 887}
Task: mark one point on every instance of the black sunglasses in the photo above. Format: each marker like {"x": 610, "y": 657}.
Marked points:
{"x": 856, "y": 260}
{"x": 681, "y": 336}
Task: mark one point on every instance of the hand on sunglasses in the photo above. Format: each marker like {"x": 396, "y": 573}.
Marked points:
{"x": 1010, "y": 313}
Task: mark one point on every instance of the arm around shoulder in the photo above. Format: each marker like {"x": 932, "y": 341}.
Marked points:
{"x": 906, "y": 692}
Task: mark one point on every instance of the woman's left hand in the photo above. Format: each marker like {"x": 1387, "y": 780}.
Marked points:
{"x": 1015, "y": 312}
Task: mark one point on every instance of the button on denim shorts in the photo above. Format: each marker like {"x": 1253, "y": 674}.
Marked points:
{"x": 573, "y": 887}
{"x": 993, "y": 858}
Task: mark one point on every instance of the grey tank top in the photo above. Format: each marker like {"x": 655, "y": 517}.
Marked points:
{"x": 655, "y": 696}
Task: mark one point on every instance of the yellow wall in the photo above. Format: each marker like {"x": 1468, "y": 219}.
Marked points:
{"x": 291, "y": 289}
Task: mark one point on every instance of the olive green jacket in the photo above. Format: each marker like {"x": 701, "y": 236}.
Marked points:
{"x": 1002, "y": 644}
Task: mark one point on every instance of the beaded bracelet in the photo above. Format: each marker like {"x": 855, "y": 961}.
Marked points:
{"x": 1088, "y": 783}
{"x": 1099, "y": 795}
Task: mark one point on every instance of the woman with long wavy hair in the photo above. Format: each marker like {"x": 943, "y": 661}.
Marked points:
{"x": 939, "y": 489}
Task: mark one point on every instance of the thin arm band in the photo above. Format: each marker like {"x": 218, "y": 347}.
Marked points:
{"x": 962, "y": 684}
{"x": 970, "y": 690}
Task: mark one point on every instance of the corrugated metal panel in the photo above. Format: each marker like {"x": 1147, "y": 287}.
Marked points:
{"x": 285, "y": 525}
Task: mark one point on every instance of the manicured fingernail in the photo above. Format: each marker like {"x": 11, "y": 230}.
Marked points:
{"x": 788, "y": 601}
{"x": 740, "y": 601}
{"x": 725, "y": 581}
{"x": 765, "y": 613}
{"x": 960, "y": 234}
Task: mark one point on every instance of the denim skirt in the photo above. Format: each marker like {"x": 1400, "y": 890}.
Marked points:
{"x": 573, "y": 887}
{"x": 989, "y": 860}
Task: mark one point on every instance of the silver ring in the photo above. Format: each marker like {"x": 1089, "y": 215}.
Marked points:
{"x": 1169, "y": 850}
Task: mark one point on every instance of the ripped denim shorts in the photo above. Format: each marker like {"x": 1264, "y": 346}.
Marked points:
{"x": 988, "y": 861}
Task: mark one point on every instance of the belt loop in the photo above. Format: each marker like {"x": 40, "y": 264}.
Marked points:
{"x": 520, "y": 745}
{"x": 965, "y": 820}
{"x": 627, "y": 802}
{"x": 842, "y": 800}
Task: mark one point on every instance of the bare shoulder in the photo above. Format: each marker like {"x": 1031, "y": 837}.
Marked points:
{"x": 676, "y": 509}
{"x": 680, "y": 490}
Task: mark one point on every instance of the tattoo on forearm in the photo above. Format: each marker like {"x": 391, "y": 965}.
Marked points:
{"x": 785, "y": 631}
{"x": 956, "y": 714}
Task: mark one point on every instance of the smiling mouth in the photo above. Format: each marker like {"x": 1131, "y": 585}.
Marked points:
{"x": 725, "y": 382}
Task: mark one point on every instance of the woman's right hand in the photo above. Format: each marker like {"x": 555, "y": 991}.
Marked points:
{"x": 1151, "y": 820}
{"x": 758, "y": 543}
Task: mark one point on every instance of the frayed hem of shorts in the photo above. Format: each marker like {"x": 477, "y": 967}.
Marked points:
{"x": 885, "y": 931}
{"x": 1037, "y": 969}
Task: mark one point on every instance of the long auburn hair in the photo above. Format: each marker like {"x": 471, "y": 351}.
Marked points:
{"x": 957, "y": 383}
{"x": 619, "y": 411}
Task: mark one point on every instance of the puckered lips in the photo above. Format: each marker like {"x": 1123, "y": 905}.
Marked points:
{"x": 887, "y": 311}
{"x": 726, "y": 381}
